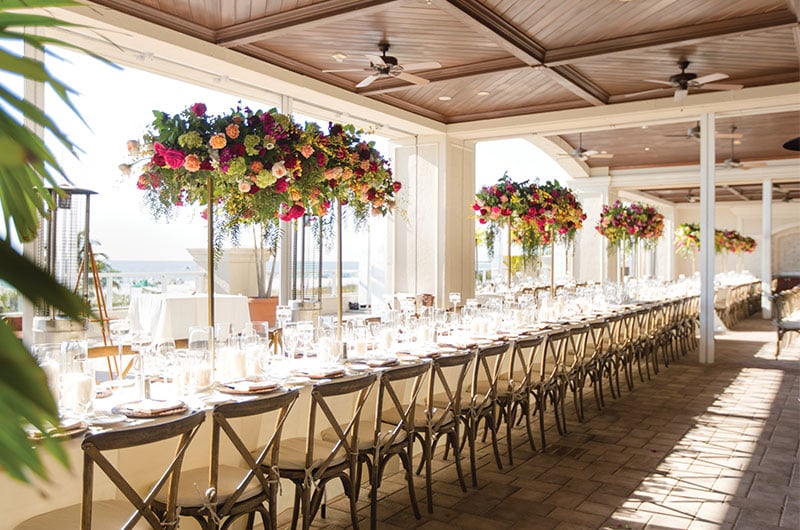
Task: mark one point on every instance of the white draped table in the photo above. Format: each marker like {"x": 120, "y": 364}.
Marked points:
{"x": 170, "y": 315}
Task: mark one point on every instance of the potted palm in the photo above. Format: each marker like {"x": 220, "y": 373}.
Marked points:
{"x": 27, "y": 169}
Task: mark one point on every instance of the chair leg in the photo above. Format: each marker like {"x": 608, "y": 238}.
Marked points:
{"x": 493, "y": 428}
{"x": 457, "y": 455}
{"x": 510, "y": 417}
{"x": 407, "y": 460}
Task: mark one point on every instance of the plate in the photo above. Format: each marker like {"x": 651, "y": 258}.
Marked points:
{"x": 101, "y": 393}
{"x": 150, "y": 408}
{"x": 296, "y": 380}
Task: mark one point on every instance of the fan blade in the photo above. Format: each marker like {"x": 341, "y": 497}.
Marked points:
{"x": 710, "y": 78}
{"x": 680, "y": 94}
{"x": 687, "y": 136}
{"x": 411, "y": 78}
{"x": 721, "y": 86}
{"x": 603, "y": 155}
{"x": 748, "y": 165}
{"x": 657, "y": 81}
{"x": 652, "y": 90}
{"x": 590, "y": 152}
{"x": 421, "y": 66}
{"x": 349, "y": 70}
{"x": 367, "y": 81}
{"x": 375, "y": 59}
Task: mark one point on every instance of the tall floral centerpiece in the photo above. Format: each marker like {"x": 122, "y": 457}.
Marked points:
{"x": 506, "y": 204}
{"x": 626, "y": 225}
{"x": 687, "y": 241}
{"x": 255, "y": 167}
{"x": 560, "y": 216}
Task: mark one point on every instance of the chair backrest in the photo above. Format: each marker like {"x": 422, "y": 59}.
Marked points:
{"x": 598, "y": 339}
{"x": 267, "y": 457}
{"x": 522, "y": 366}
{"x": 488, "y": 363}
{"x": 183, "y": 428}
{"x": 551, "y": 366}
{"x": 575, "y": 346}
{"x": 441, "y": 382}
{"x": 346, "y": 430}
{"x": 394, "y": 385}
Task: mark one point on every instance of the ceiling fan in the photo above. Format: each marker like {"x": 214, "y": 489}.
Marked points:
{"x": 735, "y": 163}
{"x": 691, "y": 197}
{"x": 693, "y": 133}
{"x": 582, "y": 154}
{"x": 384, "y": 66}
{"x": 683, "y": 81}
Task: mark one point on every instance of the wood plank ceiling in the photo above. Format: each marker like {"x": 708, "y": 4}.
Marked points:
{"x": 504, "y": 58}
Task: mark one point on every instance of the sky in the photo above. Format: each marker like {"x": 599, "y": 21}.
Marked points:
{"x": 117, "y": 105}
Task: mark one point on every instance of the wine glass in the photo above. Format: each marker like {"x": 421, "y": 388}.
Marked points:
{"x": 120, "y": 330}
{"x": 291, "y": 337}
{"x": 455, "y": 299}
{"x": 283, "y": 313}
{"x": 305, "y": 331}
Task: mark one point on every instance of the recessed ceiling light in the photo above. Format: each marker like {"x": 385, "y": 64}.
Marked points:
{"x": 445, "y": 98}
{"x": 646, "y": 148}
{"x": 644, "y": 126}
{"x": 339, "y": 57}
{"x": 483, "y": 93}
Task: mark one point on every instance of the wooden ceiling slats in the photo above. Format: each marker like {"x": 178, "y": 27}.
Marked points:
{"x": 594, "y": 52}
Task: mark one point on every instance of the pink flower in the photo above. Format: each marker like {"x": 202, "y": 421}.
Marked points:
{"x": 173, "y": 158}
{"x": 281, "y": 185}
{"x": 244, "y": 187}
{"x": 306, "y": 151}
{"x": 279, "y": 169}
{"x": 199, "y": 109}
{"x": 133, "y": 147}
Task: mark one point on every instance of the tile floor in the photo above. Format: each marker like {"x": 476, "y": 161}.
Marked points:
{"x": 697, "y": 447}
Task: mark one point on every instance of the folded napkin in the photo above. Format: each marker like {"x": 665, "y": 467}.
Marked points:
{"x": 66, "y": 427}
{"x": 246, "y": 386}
{"x": 378, "y": 363}
{"x": 422, "y": 353}
{"x": 459, "y": 344}
{"x": 322, "y": 373}
{"x": 154, "y": 407}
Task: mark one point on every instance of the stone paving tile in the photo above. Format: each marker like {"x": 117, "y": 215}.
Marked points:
{"x": 697, "y": 447}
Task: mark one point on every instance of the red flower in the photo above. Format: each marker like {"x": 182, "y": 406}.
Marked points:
{"x": 396, "y": 185}
{"x": 281, "y": 185}
{"x": 174, "y": 158}
{"x": 199, "y": 109}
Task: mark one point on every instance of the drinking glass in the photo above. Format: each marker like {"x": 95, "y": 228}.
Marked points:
{"x": 49, "y": 358}
{"x": 305, "y": 330}
{"x": 291, "y": 339}
{"x": 455, "y": 299}
{"x": 199, "y": 346}
{"x": 120, "y": 330}
{"x": 283, "y": 313}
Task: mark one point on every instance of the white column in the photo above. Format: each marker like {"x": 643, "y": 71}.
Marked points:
{"x": 707, "y": 200}
{"x": 766, "y": 248}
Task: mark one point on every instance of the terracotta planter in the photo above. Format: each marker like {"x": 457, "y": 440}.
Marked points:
{"x": 263, "y": 309}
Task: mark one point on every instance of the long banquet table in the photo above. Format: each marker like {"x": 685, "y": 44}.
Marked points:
{"x": 64, "y": 487}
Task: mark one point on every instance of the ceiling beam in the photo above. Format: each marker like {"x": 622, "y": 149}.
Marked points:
{"x": 796, "y": 32}
{"x": 736, "y": 192}
{"x": 446, "y": 74}
{"x": 156, "y": 16}
{"x": 684, "y": 36}
{"x": 488, "y": 22}
{"x": 295, "y": 19}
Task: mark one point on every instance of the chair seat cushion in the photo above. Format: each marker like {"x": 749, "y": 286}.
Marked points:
{"x": 366, "y": 435}
{"x": 292, "y": 456}
{"x": 439, "y": 416}
{"x": 194, "y": 483}
{"x": 105, "y": 514}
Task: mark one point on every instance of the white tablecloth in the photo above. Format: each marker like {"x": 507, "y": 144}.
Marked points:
{"x": 170, "y": 315}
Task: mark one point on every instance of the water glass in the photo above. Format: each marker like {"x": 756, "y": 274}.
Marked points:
{"x": 49, "y": 358}
{"x": 120, "y": 330}
{"x": 455, "y": 299}
{"x": 79, "y": 387}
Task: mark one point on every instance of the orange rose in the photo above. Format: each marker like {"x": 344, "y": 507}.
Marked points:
{"x": 295, "y": 194}
{"x": 232, "y": 131}
{"x": 218, "y": 141}
{"x": 306, "y": 150}
{"x": 191, "y": 163}
{"x": 256, "y": 166}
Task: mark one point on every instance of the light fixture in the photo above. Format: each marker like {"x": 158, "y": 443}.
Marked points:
{"x": 646, "y": 148}
{"x": 445, "y": 98}
{"x": 339, "y": 57}
{"x": 644, "y": 126}
{"x": 483, "y": 93}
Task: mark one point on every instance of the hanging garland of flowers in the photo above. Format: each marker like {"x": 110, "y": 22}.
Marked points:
{"x": 265, "y": 167}
{"x": 624, "y": 225}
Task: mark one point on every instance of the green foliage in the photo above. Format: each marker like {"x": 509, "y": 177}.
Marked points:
{"x": 27, "y": 168}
